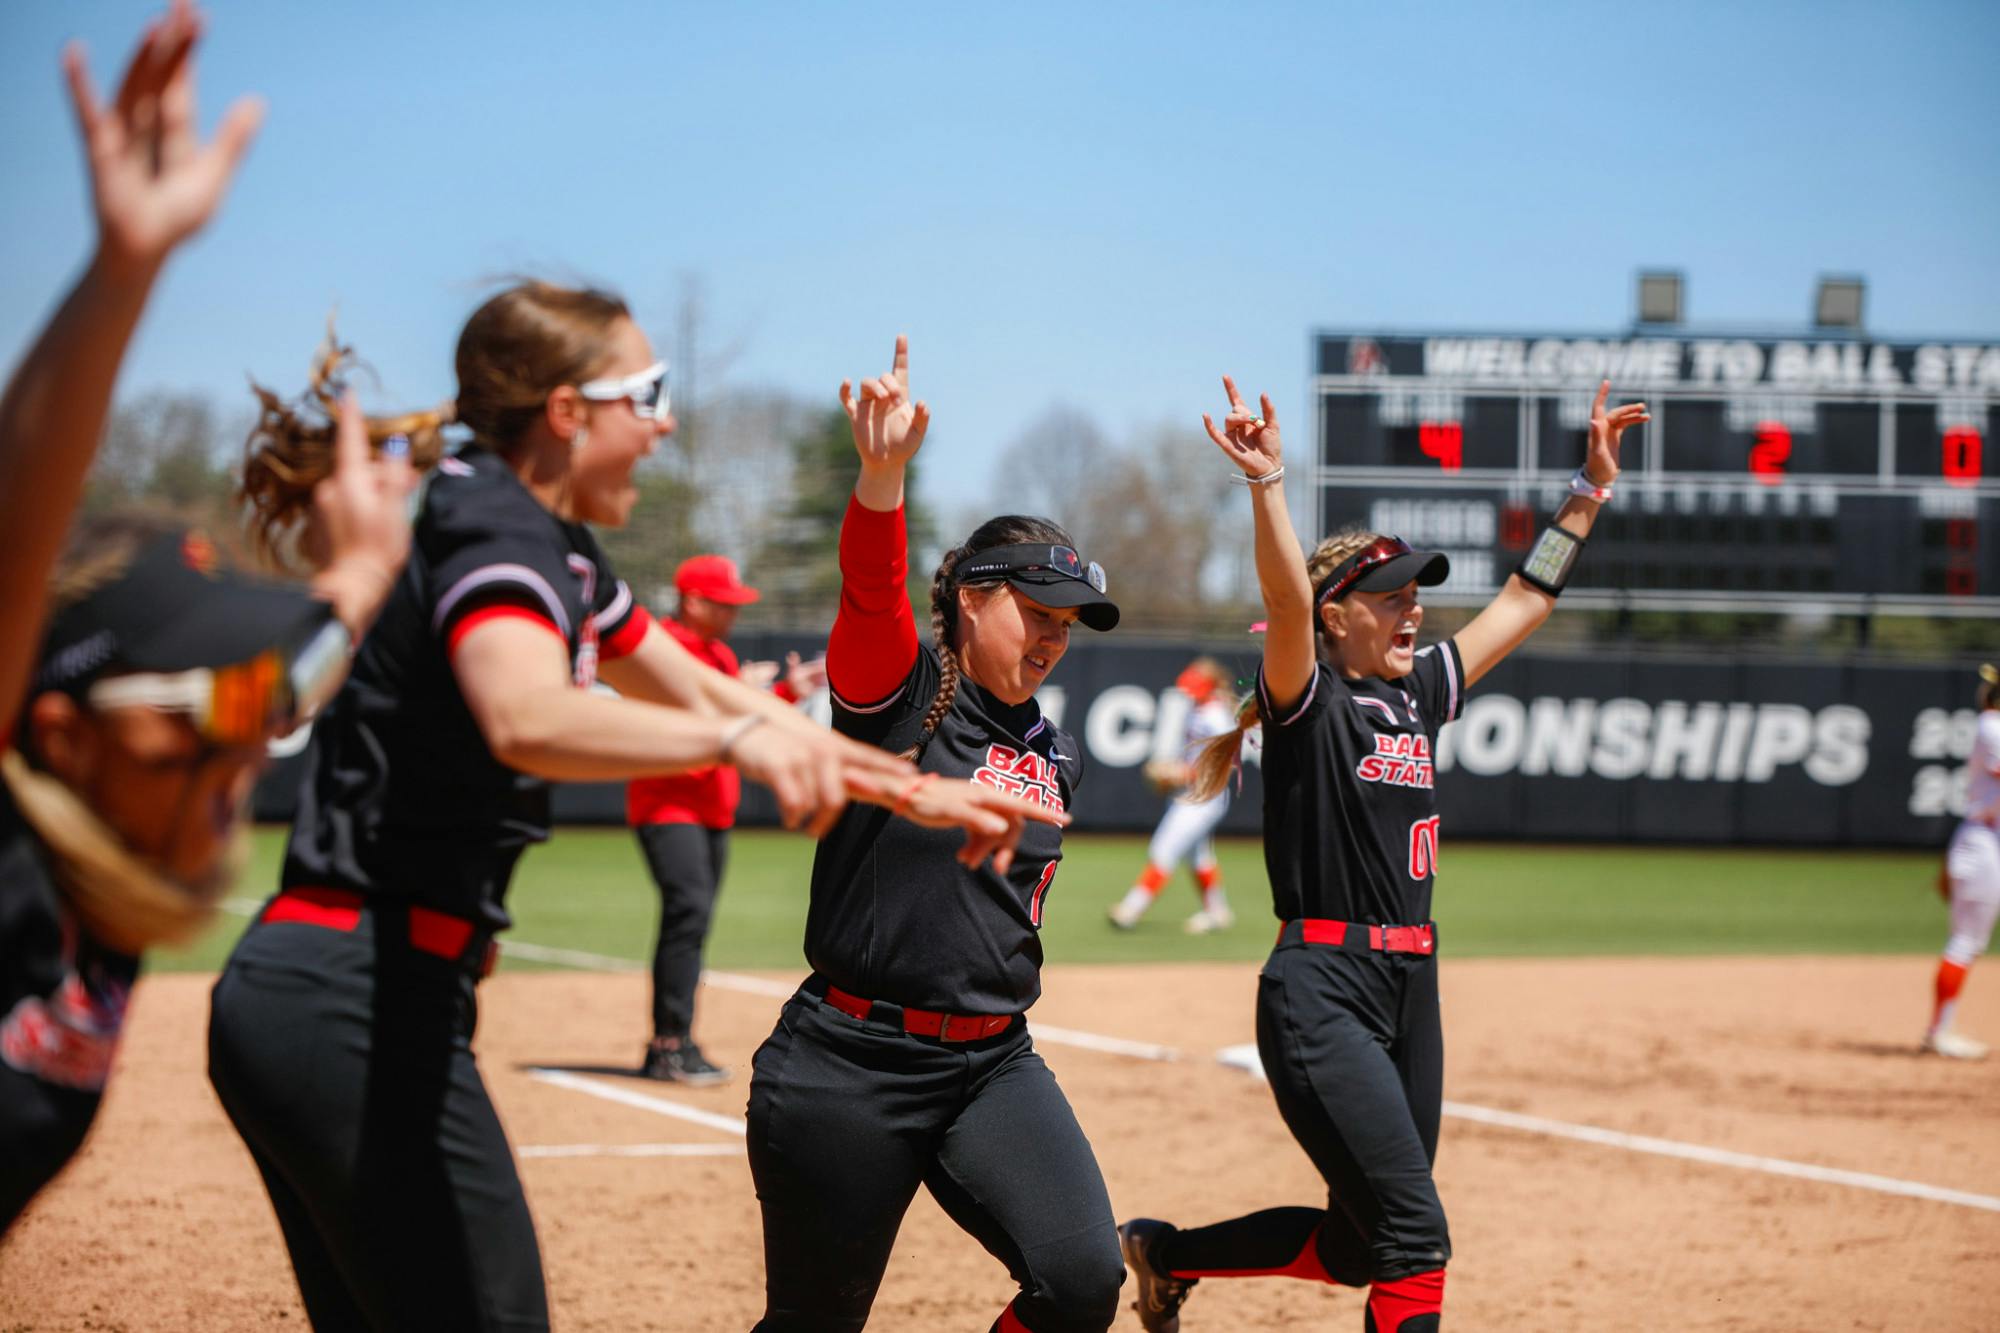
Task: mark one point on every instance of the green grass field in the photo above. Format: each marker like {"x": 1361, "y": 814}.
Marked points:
{"x": 587, "y": 890}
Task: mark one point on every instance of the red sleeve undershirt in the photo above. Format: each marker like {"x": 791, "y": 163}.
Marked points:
{"x": 874, "y": 640}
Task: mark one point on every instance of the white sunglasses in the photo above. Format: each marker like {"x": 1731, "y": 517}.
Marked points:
{"x": 646, "y": 390}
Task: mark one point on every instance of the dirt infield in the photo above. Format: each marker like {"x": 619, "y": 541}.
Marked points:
{"x": 161, "y": 1225}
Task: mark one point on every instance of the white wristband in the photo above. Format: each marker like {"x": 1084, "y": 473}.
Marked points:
{"x": 735, "y": 732}
{"x": 1581, "y": 486}
{"x": 1262, "y": 479}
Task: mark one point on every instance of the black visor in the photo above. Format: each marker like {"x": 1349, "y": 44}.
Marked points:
{"x": 1052, "y": 575}
{"x": 173, "y": 610}
{"x": 1385, "y": 563}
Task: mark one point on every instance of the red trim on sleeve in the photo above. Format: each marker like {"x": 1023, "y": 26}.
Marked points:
{"x": 497, "y": 611}
{"x": 625, "y": 640}
{"x": 874, "y": 640}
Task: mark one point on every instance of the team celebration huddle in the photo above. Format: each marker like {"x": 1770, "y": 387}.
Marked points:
{"x": 435, "y": 602}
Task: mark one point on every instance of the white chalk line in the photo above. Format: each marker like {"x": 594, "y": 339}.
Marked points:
{"x": 567, "y": 1150}
{"x": 1059, "y": 1036}
{"x": 735, "y": 981}
{"x": 1245, "y": 1058}
{"x": 562, "y": 1078}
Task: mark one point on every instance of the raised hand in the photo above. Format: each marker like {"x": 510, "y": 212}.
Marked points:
{"x": 1600, "y": 462}
{"x": 888, "y": 427}
{"x": 359, "y": 529}
{"x": 152, "y": 181}
{"x": 1250, "y": 440}
{"x": 757, "y": 675}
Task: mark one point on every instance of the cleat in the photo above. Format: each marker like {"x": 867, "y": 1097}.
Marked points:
{"x": 1159, "y": 1299}
{"x": 1123, "y": 917}
{"x": 1209, "y": 920}
{"x": 682, "y": 1062}
{"x": 1953, "y": 1046}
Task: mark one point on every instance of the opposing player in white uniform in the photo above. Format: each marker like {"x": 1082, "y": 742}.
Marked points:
{"x": 1972, "y": 865}
{"x": 1187, "y": 830}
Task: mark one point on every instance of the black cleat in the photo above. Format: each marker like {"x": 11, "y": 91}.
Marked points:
{"x": 682, "y": 1062}
{"x": 1160, "y": 1296}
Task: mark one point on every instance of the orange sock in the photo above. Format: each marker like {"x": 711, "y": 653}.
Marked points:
{"x": 1207, "y": 876}
{"x": 1950, "y": 981}
{"x": 1152, "y": 879}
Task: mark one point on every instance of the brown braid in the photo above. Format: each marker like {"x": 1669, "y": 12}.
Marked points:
{"x": 1218, "y": 756}
{"x": 1006, "y": 530}
{"x": 947, "y": 690}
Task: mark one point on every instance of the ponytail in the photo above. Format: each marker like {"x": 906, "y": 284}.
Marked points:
{"x": 291, "y": 450}
{"x": 1989, "y": 687}
{"x": 1219, "y": 756}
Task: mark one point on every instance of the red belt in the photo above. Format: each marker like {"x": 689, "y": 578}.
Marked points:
{"x": 432, "y": 932}
{"x": 925, "y": 1022}
{"x": 1350, "y": 935}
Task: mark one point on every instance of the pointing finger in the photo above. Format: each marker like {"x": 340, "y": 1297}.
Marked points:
{"x": 1235, "y": 400}
{"x": 1603, "y": 392}
{"x": 902, "y": 368}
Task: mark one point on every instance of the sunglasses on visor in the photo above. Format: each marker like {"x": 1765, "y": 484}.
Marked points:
{"x": 646, "y": 390}
{"x": 244, "y": 704}
{"x": 1031, "y": 562}
{"x": 1357, "y": 566}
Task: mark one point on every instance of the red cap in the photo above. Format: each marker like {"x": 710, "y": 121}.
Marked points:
{"x": 713, "y": 577}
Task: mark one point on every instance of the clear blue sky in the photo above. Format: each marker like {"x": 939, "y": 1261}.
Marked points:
{"x": 1099, "y": 204}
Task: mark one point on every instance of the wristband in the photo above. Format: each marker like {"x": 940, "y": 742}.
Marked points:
{"x": 909, "y": 793}
{"x": 1262, "y": 479}
{"x": 1583, "y": 488}
{"x": 319, "y": 668}
{"x": 1548, "y": 565}
{"x": 735, "y": 732}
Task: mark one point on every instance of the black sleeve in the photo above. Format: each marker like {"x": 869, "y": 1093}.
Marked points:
{"x": 1319, "y": 692}
{"x": 1438, "y": 683}
{"x": 476, "y": 559}
{"x": 894, "y": 723}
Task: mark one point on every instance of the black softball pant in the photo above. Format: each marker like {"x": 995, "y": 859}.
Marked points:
{"x": 344, "y": 1059}
{"x": 687, "y": 861}
{"x": 848, "y": 1117}
{"x": 1354, "y": 1049}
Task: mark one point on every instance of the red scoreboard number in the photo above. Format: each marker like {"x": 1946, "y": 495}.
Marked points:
{"x": 1963, "y": 463}
{"x": 1444, "y": 441}
{"x": 1770, "y": 450}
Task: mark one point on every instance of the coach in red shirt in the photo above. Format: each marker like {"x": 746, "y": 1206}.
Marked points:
{"x": 683, "y": 822}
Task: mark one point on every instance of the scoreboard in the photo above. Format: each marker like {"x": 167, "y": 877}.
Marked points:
{"x": 1833, "y": 471}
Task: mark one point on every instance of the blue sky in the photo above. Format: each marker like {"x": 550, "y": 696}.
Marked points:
{"x": 1098, "y": 205}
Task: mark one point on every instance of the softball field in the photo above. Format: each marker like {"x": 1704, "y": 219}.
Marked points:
{"x": 1646, "y": 1143}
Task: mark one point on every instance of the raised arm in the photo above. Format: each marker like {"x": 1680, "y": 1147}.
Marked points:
{"x": 1519, "y": 608}
{"x": 874, "y": 639}
{"x": 153, "y": 184}
{"x": 1252, "y": 443}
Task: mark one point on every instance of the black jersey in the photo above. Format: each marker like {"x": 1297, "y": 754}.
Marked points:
{"x": 62, "y": 1007}
{"x": 1350, "y": 809}
{"x": 894, "y": 915}
{"x": 402, "y": 797}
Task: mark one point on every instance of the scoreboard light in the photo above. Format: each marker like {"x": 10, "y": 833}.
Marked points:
{"x": 1961, "y": 463}
{"x": 1838, "y": 303}
{"x": 1660, "y": 292}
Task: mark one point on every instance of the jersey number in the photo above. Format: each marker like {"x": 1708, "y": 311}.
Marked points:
{"x": 1423, "y": 847}
{"x": 1041, "y": 892}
